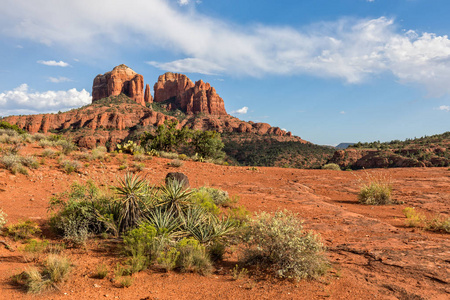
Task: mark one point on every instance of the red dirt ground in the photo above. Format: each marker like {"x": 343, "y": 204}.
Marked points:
{"x": 373, "y": 254}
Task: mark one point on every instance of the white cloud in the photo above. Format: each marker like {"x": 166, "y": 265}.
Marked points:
{"x": 444, "y": 108}
{"x": 241, "y": 111}
{"x": 189, "y": 65}
{"x": 22, "y": 100}
{"x": 59, "y": 79}
{"x": 183, "y": 2}
{"x": 53, "y": 63}
{"x": 342, "y": 112}
{"x": 351, "y": 49}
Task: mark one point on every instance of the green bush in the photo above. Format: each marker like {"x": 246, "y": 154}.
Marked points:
{"x": 82, "y": 211}
{"x": 413, "y": 218}
{"x": 331, "y": 166}
{"x": 278, "y": 243}
{"x": 66, "y": 146}
{"x": 439, "y": 223}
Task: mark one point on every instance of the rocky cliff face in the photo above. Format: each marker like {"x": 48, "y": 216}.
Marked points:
{"x": 121, "y": 80}
{"x": 181, "y": 93}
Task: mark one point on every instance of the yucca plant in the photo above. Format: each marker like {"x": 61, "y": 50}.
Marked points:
{"x": 134, "y": 191}
{"x": 206, "y": 228}
{"x": 165, "y": 221}
{"x": 175, "y": 197}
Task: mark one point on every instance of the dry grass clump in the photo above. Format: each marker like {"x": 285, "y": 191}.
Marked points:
{"x": 3, "y": 219}
{"x": 375, "y": 190}
{"x": 54, "y": 271}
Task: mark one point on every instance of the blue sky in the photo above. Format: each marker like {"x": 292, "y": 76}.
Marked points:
{"x": 330, "y": 71}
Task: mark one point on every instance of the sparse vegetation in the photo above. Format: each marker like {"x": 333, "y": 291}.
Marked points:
{"x": 416, "y": 219}
{"x": 55, "y": 270}
{"x": 278, "y": 243}
{"x": 375, "y": 190}
{"x": 176, "y": 163}
{"x": 23, "y": 230}
{"x": 331, "y": 166}
{"x": 70, "y": 166}
{"x": 3, "y": 219}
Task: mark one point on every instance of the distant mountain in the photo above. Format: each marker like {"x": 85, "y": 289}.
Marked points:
{"x": 428, "y": 151}
{"x": 344, "y": 145}
{"x": 121, "y": 110}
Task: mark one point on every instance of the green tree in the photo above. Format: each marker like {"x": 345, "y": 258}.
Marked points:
{"x": 166, "y": 137}
{"x": 208, "y": 144}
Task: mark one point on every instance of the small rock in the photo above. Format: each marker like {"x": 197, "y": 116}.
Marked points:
{"x": 97, "y": 286}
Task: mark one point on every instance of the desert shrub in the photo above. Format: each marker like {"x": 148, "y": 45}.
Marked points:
{"x": 98, "y": 153}
{"x": 66, "y": 146}
{"x": 125, "y": 281}
{"x": 101, "y": 271}
{"x": 331, "y": 166}
{"x": 139, "y": 156}
{"x": 38, "y": 137}
{"x": 139, "y": 167}
{"x": 438, "y": 223}
{"x": 44, "y": 143}
{"x": 167, "y": 260}
{"x": 23, "y": 230}
{"x": 70, "y": 166}
{"x": 218, "y": 196}
{"x": 3, "y": 219}
{"x": 203, "y": 198}
{"x": 48, "y": 153}
{"x": 16, "y": 163}
{"x": 193, "y": 257}
{"x": 376, "y": 190}
{"x": 170, "y": 155}
{"x": 239, "y": 215}
{"x": 413, "y": 218}
{"x": 183, "y": 157}
{"x": 35, "y": 248}
{"x": 82, "y": 211}
{"x": 278, "y": 243}
{"x": 54, "y": 271}
{"x": 30, "y": 162}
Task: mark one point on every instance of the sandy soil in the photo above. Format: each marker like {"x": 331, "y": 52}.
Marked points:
{"x": 373, "y": 254}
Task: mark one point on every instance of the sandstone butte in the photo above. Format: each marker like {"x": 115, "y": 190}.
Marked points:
{"x": 103, "y": 123}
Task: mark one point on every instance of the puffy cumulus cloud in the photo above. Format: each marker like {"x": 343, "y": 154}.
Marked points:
{"x": 53, "y": 63}
{"x": 241, "y": 111}
{"x": 59, "y": 79}
{"x": 444, "y": 108}
{"x": 22, "y": 100}
{"x": 351, "y": 49}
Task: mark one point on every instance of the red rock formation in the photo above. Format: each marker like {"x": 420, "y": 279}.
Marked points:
{"x": 120, "y": 80}
{"x": 147, "y": 96}
{"x": 188, "y": 97}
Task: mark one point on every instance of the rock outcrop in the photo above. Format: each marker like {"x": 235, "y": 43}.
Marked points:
{"x": 181, "y": 93}
{"x": 121, "y": 80}
{"x": 147, "y": 96}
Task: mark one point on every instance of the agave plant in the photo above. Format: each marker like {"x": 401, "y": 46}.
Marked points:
{"x": 134, "y": 192}
{"x": 175, "y": 197}
{"x": 205, "y": 227}
{"x": 165, "y": 221}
